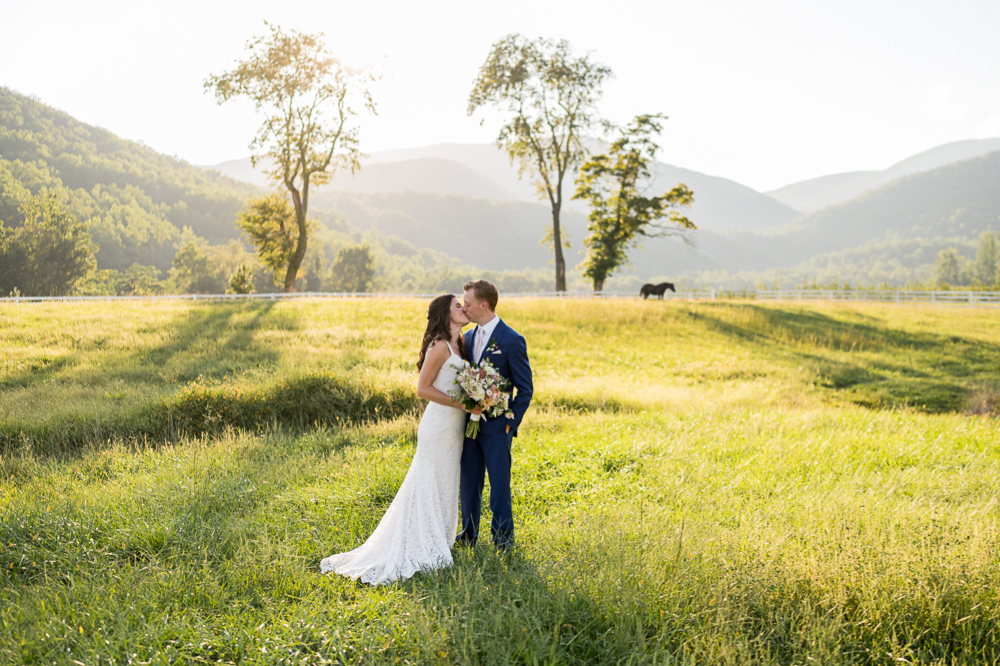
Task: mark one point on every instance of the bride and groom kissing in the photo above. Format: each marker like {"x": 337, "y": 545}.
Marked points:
{"x": 418, "y": 530}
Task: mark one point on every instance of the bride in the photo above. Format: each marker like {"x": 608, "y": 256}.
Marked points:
{"x": 418, "y": 530}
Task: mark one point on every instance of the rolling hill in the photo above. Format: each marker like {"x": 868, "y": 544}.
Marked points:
{"x": 136, "y": 200}
{"x": 928, "y": 211}
{"x": 811, "y": 195}
{"x": 480, "y": 170}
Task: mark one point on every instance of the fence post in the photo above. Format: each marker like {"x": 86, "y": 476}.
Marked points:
{"x": 932, "y": 297}
{"x": 970, "y": 298}
{"x": 713, "y": 294}
{"x": 897, "y": 295}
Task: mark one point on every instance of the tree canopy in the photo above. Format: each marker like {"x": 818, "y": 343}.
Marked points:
{"x": 614, "y": 184}
{"x": 307, "y": 98}
{"x": 48, "y": 253}
{"x": 548, "y": 96}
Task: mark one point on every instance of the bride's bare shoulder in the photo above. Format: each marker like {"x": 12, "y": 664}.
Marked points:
{"x": 438, "y": 348}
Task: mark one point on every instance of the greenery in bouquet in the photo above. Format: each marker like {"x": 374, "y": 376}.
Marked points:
{"x": 482, "y": 386}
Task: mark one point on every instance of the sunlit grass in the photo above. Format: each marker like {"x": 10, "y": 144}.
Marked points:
{"x": 696, "y": 483}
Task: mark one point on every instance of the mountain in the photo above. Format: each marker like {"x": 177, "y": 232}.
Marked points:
{"x": 135, "y": 200}
{"x": 493, "y": 235}
{"x": 422, "y": 174}
{"x": 944, "y": 207}
{"x": 812, "y": 195}
{"x": 480, "y": 170}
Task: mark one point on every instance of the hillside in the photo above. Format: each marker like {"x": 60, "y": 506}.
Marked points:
{"x": 812, "y": 195}
{"x": 892, "y": 233}
{"x": 424, "y": 174}
{"x": 136, "y": 200}
{"x": 480, "y": 170}
{"x": 493, "y": 235}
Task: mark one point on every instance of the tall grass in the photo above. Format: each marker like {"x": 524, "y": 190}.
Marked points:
{"x": 692, "y": 486}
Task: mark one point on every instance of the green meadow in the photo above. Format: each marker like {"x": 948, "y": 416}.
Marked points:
{"x": 695, "y": 483}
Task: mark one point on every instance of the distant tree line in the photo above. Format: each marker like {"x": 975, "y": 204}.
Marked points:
{"x": 953, "y": 269}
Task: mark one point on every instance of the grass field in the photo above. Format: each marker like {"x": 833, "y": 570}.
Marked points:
{"x": 716, "y": 483}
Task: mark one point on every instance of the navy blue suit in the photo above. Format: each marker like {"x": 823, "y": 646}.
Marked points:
{"x": 490, "y": 451}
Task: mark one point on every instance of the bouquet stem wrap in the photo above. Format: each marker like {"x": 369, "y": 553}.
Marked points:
{"x": 472, "y": 430}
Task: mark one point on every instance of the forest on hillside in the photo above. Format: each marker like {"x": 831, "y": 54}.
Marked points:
{"x": 140, "y": 209}
{"x": 157, "y": 224}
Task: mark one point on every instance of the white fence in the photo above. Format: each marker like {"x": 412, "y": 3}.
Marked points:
{"x": 960, "y": 298}
{"x": 968, "y": 298}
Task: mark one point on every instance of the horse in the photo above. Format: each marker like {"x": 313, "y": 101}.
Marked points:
{"x": 656, "y": 289}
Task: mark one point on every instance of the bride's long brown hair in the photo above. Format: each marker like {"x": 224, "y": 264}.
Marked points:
{"x": 439, "y": 327}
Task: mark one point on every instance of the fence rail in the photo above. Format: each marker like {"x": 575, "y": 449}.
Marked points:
{"x": 960, "y": 298}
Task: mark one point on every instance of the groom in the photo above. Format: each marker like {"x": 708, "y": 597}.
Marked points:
{"x": 489, "y": 452}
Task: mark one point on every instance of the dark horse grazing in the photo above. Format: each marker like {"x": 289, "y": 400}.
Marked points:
{"x": 656, "y": 289}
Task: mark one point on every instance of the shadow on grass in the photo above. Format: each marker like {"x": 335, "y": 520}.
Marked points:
{"x": 213, "y": 341}
{"x": 490, "y": 608}
{"x": 201, "y": 347}
{"x": 870, "y": 364}
{"x": 296, "y": 403}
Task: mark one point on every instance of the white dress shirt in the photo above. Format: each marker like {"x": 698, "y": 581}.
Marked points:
{"x": 482, "y": 336}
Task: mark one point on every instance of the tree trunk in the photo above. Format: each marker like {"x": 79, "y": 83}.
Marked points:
{"x": 599, "y": 285}
{"x": 296, "y": 261}
{"x": 301, "y": 243}
{"x": 557, "y": 240}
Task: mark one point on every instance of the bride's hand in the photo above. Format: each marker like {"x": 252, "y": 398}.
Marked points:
{"x": 476, "y": 410}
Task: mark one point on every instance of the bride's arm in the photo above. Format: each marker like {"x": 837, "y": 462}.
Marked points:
{"x": 437, "y": 354}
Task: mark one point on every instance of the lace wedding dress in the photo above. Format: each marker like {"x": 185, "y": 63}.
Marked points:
{"x": 418, "y": 530}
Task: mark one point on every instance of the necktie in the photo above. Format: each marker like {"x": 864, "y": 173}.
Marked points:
{"x": 480, "y": 336}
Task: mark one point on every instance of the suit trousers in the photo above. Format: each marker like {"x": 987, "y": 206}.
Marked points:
{"x": 488, "y": 453}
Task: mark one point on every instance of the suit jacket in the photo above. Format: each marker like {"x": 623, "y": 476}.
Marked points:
{"x": 508, "y": 352}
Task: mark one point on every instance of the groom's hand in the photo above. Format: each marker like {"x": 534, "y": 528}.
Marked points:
{"x": 508, "y": 429}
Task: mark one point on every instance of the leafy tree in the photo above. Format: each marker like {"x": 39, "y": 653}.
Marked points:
{"x": 948, "y": 267}
{"x": 271, "y": 224}
{"x": 314, "y": 266}
{"x": 549, "y": 96}
{"x": 987, "y": 259}
{"x": 306, "y": 96}
{"x": 139, "y": 280}
{"x": 352, "y": 270}
{"x": 49, "y": 253}
{"x": 241, "y": 281}
{"x": 193, "y": 272}
{"x": 614, "y": 185}
{"x": 103, "y": 282}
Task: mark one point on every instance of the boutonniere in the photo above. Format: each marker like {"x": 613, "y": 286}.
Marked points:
{"x": 491, "y": 347}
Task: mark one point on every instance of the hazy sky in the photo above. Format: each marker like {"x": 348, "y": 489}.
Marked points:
{"x": 762, "y": 92}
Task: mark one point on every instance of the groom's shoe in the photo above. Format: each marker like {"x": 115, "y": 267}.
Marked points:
{"x": 504, "y": 548}
{"x": 465, "y": 541}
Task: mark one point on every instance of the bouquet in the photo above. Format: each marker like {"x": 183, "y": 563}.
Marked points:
{"x": 481, "y": 386}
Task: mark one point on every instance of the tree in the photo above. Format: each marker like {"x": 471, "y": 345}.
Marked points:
{"x": 548, "y": 95}
{"x": 352, "y": 270}
{"x": 948, "y": 267}
{"x": 49, "y": 253}
{"x": 987, "y": 259}
{"x": 314, "y": 266}
{"x": 193, "y": 271}
{"x": 614, "y": 185}
{"x": 272, "y": 226}
{"x": 139, "y": 280}
{"x": 306, "y": 96}
{"x": 241, "y": 281}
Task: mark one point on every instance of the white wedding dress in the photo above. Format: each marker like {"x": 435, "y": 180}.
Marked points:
{"x": 418, "y": 530}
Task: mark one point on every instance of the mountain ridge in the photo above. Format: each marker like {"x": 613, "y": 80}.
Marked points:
{"x": 719, "y": 203}
{"x": 811, "y": 195}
